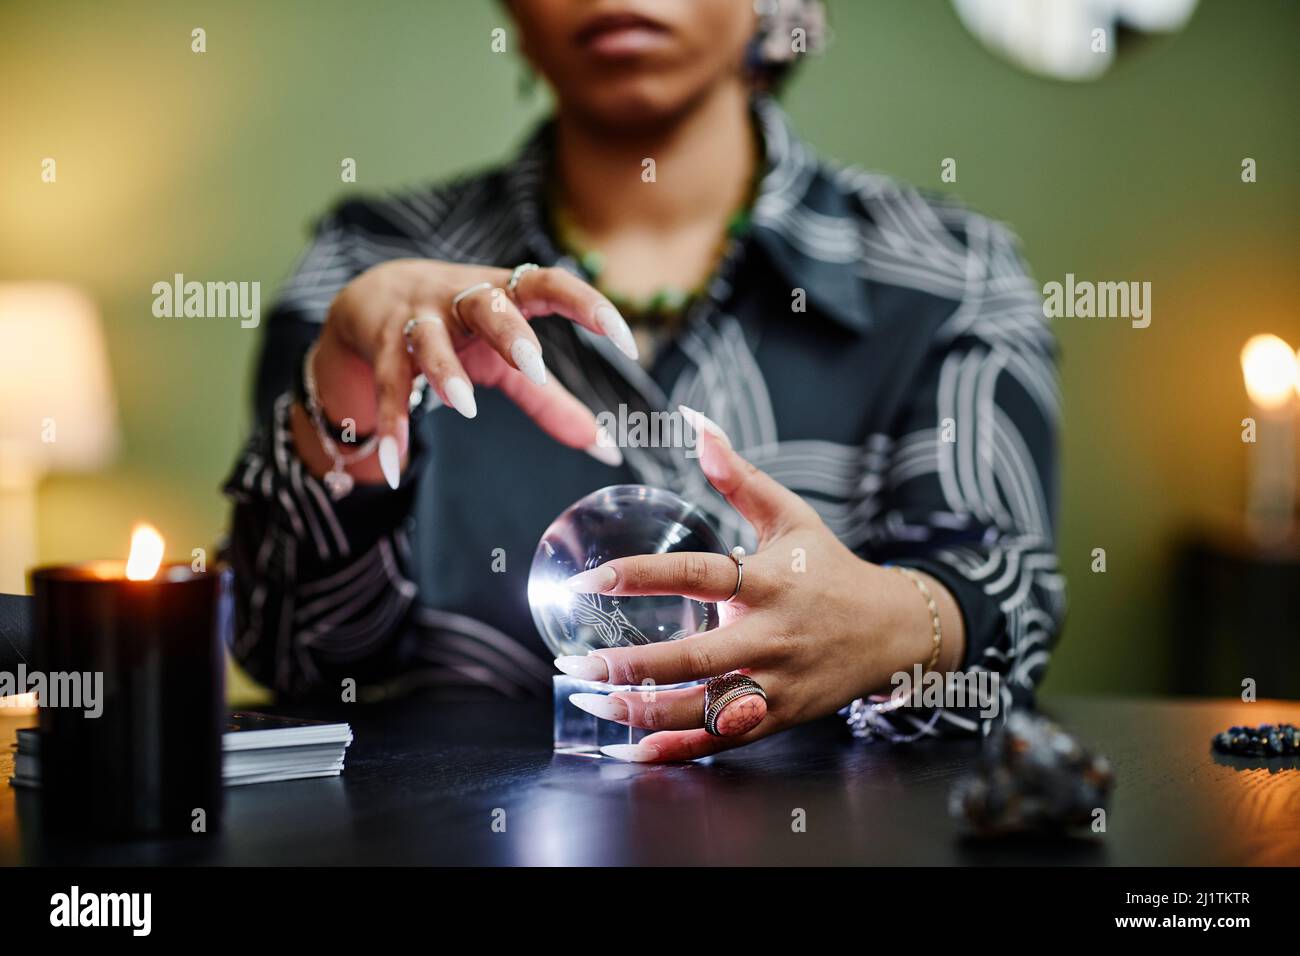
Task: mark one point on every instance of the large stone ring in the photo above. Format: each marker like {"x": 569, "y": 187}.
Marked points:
{"x": 719, "y": 692}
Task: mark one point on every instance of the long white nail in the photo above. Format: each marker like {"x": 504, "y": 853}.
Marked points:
{"x": 635, "y": 753}
{"x": 605, "y": 449}
{"x": 594, "y": 581}
{"x": 616, "y": 330}
{"x": 589, "y": 667}
{"x": 701, "y": 422}
{"x": 528, "y": 360}
{"x": 390, "y": 463}
{"x": 460, "y": 394}
{"x": 602, "y": 705}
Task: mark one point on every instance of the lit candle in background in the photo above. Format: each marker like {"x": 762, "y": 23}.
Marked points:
{"x": 1270, "y": 369}
{"x": 145, "y": 556}
{"x": 146, "y": 758}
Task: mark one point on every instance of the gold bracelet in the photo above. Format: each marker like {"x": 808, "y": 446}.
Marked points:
{"x": 934, "y": 613}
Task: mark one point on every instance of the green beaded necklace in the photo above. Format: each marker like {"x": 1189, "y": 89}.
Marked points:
{"x": 665, "y": 306}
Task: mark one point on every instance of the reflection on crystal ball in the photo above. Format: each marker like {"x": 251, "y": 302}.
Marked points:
{"x": 617, "y": 522}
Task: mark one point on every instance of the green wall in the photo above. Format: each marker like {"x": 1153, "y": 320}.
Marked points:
{"x": 213, "y": 165}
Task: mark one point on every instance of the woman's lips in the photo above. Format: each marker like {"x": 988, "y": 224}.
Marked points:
{"x": 622, "y": 35}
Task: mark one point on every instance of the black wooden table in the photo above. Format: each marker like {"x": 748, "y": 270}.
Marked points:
{"x": 426, "y": 782}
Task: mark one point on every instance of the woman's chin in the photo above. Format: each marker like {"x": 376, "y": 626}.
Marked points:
{"x": 634, "y": 105}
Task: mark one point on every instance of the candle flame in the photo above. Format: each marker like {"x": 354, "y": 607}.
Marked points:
{"x": 1270, "y": 369}
{"x": 146, "y": 553}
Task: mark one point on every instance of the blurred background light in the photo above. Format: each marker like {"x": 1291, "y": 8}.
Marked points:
{"x": 1269, "y": 367}
{"x": 1055, "y": 38}
{"x": 57, "y": 411}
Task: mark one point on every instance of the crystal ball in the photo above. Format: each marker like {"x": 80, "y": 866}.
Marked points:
{"x": 617, "y": 522}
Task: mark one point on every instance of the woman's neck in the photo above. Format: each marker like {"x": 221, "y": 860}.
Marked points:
{"x": 703, "y": 158}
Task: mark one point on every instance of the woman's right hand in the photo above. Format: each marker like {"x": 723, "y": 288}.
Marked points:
{"x": 364, "y": 369}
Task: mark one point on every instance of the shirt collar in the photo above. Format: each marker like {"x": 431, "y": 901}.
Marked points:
{"x": 808, "y": 224}
{"x": 803, "y": 219}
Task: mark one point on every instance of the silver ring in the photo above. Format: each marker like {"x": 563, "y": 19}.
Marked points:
{"x": 518, "y": 274}
{"x": 738, "y": 555}
{"x": 721, "y": 691}
{"x": 461, "y": 296}
{"x": 411, "y": 323}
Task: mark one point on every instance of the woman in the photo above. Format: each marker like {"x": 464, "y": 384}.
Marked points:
{"x": 868, "y": 370}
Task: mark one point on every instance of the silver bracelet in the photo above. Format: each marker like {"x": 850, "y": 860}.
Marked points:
{"x": 337, "y": 480}
{"x": 868, "y": 718}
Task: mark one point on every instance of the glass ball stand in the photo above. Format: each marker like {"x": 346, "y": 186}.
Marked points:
{"x": 578, "y": 733}
{"x": 615, "y": 522}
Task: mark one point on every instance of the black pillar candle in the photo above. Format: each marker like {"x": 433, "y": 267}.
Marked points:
{"x": 150, "y": 761}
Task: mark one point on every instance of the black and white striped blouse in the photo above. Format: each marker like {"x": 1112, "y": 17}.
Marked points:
{"x": 880, "y": 352}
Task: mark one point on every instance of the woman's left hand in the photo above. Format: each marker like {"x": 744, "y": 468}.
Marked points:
{"x": 815, "y": 625}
